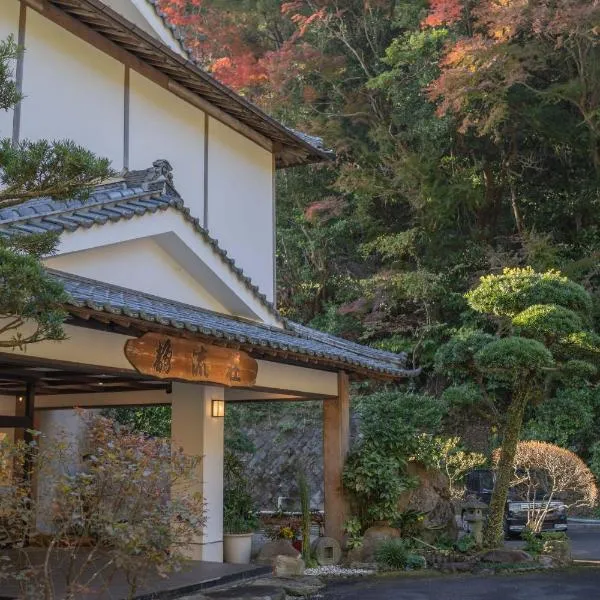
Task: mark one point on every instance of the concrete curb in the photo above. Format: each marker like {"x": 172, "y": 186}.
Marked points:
{"x": 583, "y": 521}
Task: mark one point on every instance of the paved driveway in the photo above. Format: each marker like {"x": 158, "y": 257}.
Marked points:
{"x": 574, "y": 584}
{"x": 585, "y": 543}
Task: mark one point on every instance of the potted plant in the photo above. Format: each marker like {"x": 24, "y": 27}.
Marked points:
{"x": 239, "y": 514}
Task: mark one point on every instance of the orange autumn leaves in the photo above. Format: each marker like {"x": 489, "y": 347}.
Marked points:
{"x": 213, "y": 36}
{"x": 500, "y": 43}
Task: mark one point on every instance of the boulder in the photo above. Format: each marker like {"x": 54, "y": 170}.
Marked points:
{"x": 506, "y": 556}
{"x": 276, "y": 548}
{"x": 303, "y": 587}
{"x": 288, "y": 566}
{"x": 431, "y": 497}
{"x": 373, "y": 538}
{"x": 558, "y": 550}
{"x": 546, "y": 561}
{"x": 249, "y": 592}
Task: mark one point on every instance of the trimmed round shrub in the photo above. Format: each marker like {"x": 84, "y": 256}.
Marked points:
{"x": 543, "y": 320}
{"x": 511, "y": 292}
{"x": 513, "y": 356}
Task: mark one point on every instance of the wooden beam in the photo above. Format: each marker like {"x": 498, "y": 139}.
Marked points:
{"x": 220, "y": 115}
{"x": 336, "y": 443}
{"x": 16, "y": 422}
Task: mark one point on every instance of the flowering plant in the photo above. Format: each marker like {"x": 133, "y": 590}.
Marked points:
{"x": 289, "y": 531}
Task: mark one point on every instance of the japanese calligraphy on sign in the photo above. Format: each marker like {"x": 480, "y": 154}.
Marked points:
{"x": 167, "y": 357}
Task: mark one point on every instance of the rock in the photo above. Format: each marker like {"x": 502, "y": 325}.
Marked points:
{"x": 373, "y": 538}
{"x": 302, "y": 587}
{"x": 276, "y": 548}
{"x": 326, "y": 551}
{"x": 558, "y": 550}
{"x": 353, "y": 556}
{"x": 546, "y": 561}
{"x": 249, "y": 592}
{"x": 506, "y": 556}
{"x": 288, "y": 566}
{"x": 458, "y": 567}
{"x": 432, "y": 497}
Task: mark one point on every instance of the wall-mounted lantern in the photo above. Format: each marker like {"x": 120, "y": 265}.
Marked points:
{"x": 218, "y": 408}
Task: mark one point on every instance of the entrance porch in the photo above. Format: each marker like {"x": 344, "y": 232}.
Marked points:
{"x": 41, "y": 385}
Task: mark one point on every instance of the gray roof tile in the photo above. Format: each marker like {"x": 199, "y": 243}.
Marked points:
{"x": 100, "y": 296}
{"x": 112, "y": 202}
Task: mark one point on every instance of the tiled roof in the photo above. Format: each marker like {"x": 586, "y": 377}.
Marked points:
{"x": 175, "y": 32}
{"x": 294, "y": 339}
{"x": 138, "y": 193}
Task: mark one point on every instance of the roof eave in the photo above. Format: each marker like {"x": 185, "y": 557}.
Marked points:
{"x": 87, "y": 315}
{"x": 290, "y": 149}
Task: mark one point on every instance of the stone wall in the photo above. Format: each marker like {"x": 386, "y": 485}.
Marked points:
{"x": 287, "y": 438}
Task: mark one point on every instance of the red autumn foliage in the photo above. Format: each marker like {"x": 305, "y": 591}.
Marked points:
{"x": 213, "y": 36}
{"x": 325, "y": 209}
{"x": 443, "y": 12}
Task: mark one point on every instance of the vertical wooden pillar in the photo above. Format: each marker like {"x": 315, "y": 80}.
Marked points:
{"x": 24, "y": 411}
{"x": 336, "y": 443}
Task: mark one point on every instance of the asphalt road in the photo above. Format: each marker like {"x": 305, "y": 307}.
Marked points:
{"x": 574, "y": 584}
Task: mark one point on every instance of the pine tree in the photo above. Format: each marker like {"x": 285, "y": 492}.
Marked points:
{"x": 31, "y": 302}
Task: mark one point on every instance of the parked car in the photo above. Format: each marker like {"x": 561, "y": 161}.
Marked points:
{"x": 480, "y": 484}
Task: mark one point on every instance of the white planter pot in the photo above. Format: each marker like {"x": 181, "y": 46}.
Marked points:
{"x": 237, "y": 548}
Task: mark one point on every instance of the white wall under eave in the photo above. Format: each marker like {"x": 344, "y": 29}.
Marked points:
{"x": 72, "y": 91}
{"x": 240, "y": 202}
{"x": 140, "y": 265}
{"x": 9, "y": 25}
{"x": 164, "y": 126}
{"x": 186, "y": 246}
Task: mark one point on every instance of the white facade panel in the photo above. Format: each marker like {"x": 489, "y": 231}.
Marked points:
{"x": 240, "y": 202}
{"x": 9, "y": 25}
{"x": 164, "y": 126}
{"x": 72, "y": 91}
{"x": 140, "y": 265}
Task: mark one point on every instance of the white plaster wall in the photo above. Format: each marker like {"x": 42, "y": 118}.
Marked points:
{"x": 181, "y": 241}
{"x": 67, "y": 427}
{"x": 139, "y": 265}
{"x": 72, "y": 90}
{"x": 163, "y": 126}
{"x": 240, "y": 202}
{"x": 198, "y": 433}
{"x": 9, "y": 25}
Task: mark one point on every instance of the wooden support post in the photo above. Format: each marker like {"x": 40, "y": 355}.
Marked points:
{"x": 24, "y": 410}
{"x": 336, "y": 443}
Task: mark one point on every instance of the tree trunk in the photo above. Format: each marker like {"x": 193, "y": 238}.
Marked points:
{"x": 494, "y": 529}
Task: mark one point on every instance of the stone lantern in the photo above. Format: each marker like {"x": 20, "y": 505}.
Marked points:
{"x": 474, "y": 515}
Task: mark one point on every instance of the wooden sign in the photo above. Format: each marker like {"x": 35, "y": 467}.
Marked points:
{"x": 169, "y": 357}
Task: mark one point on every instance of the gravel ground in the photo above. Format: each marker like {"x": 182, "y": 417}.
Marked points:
{"x": 335, "y": 571}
